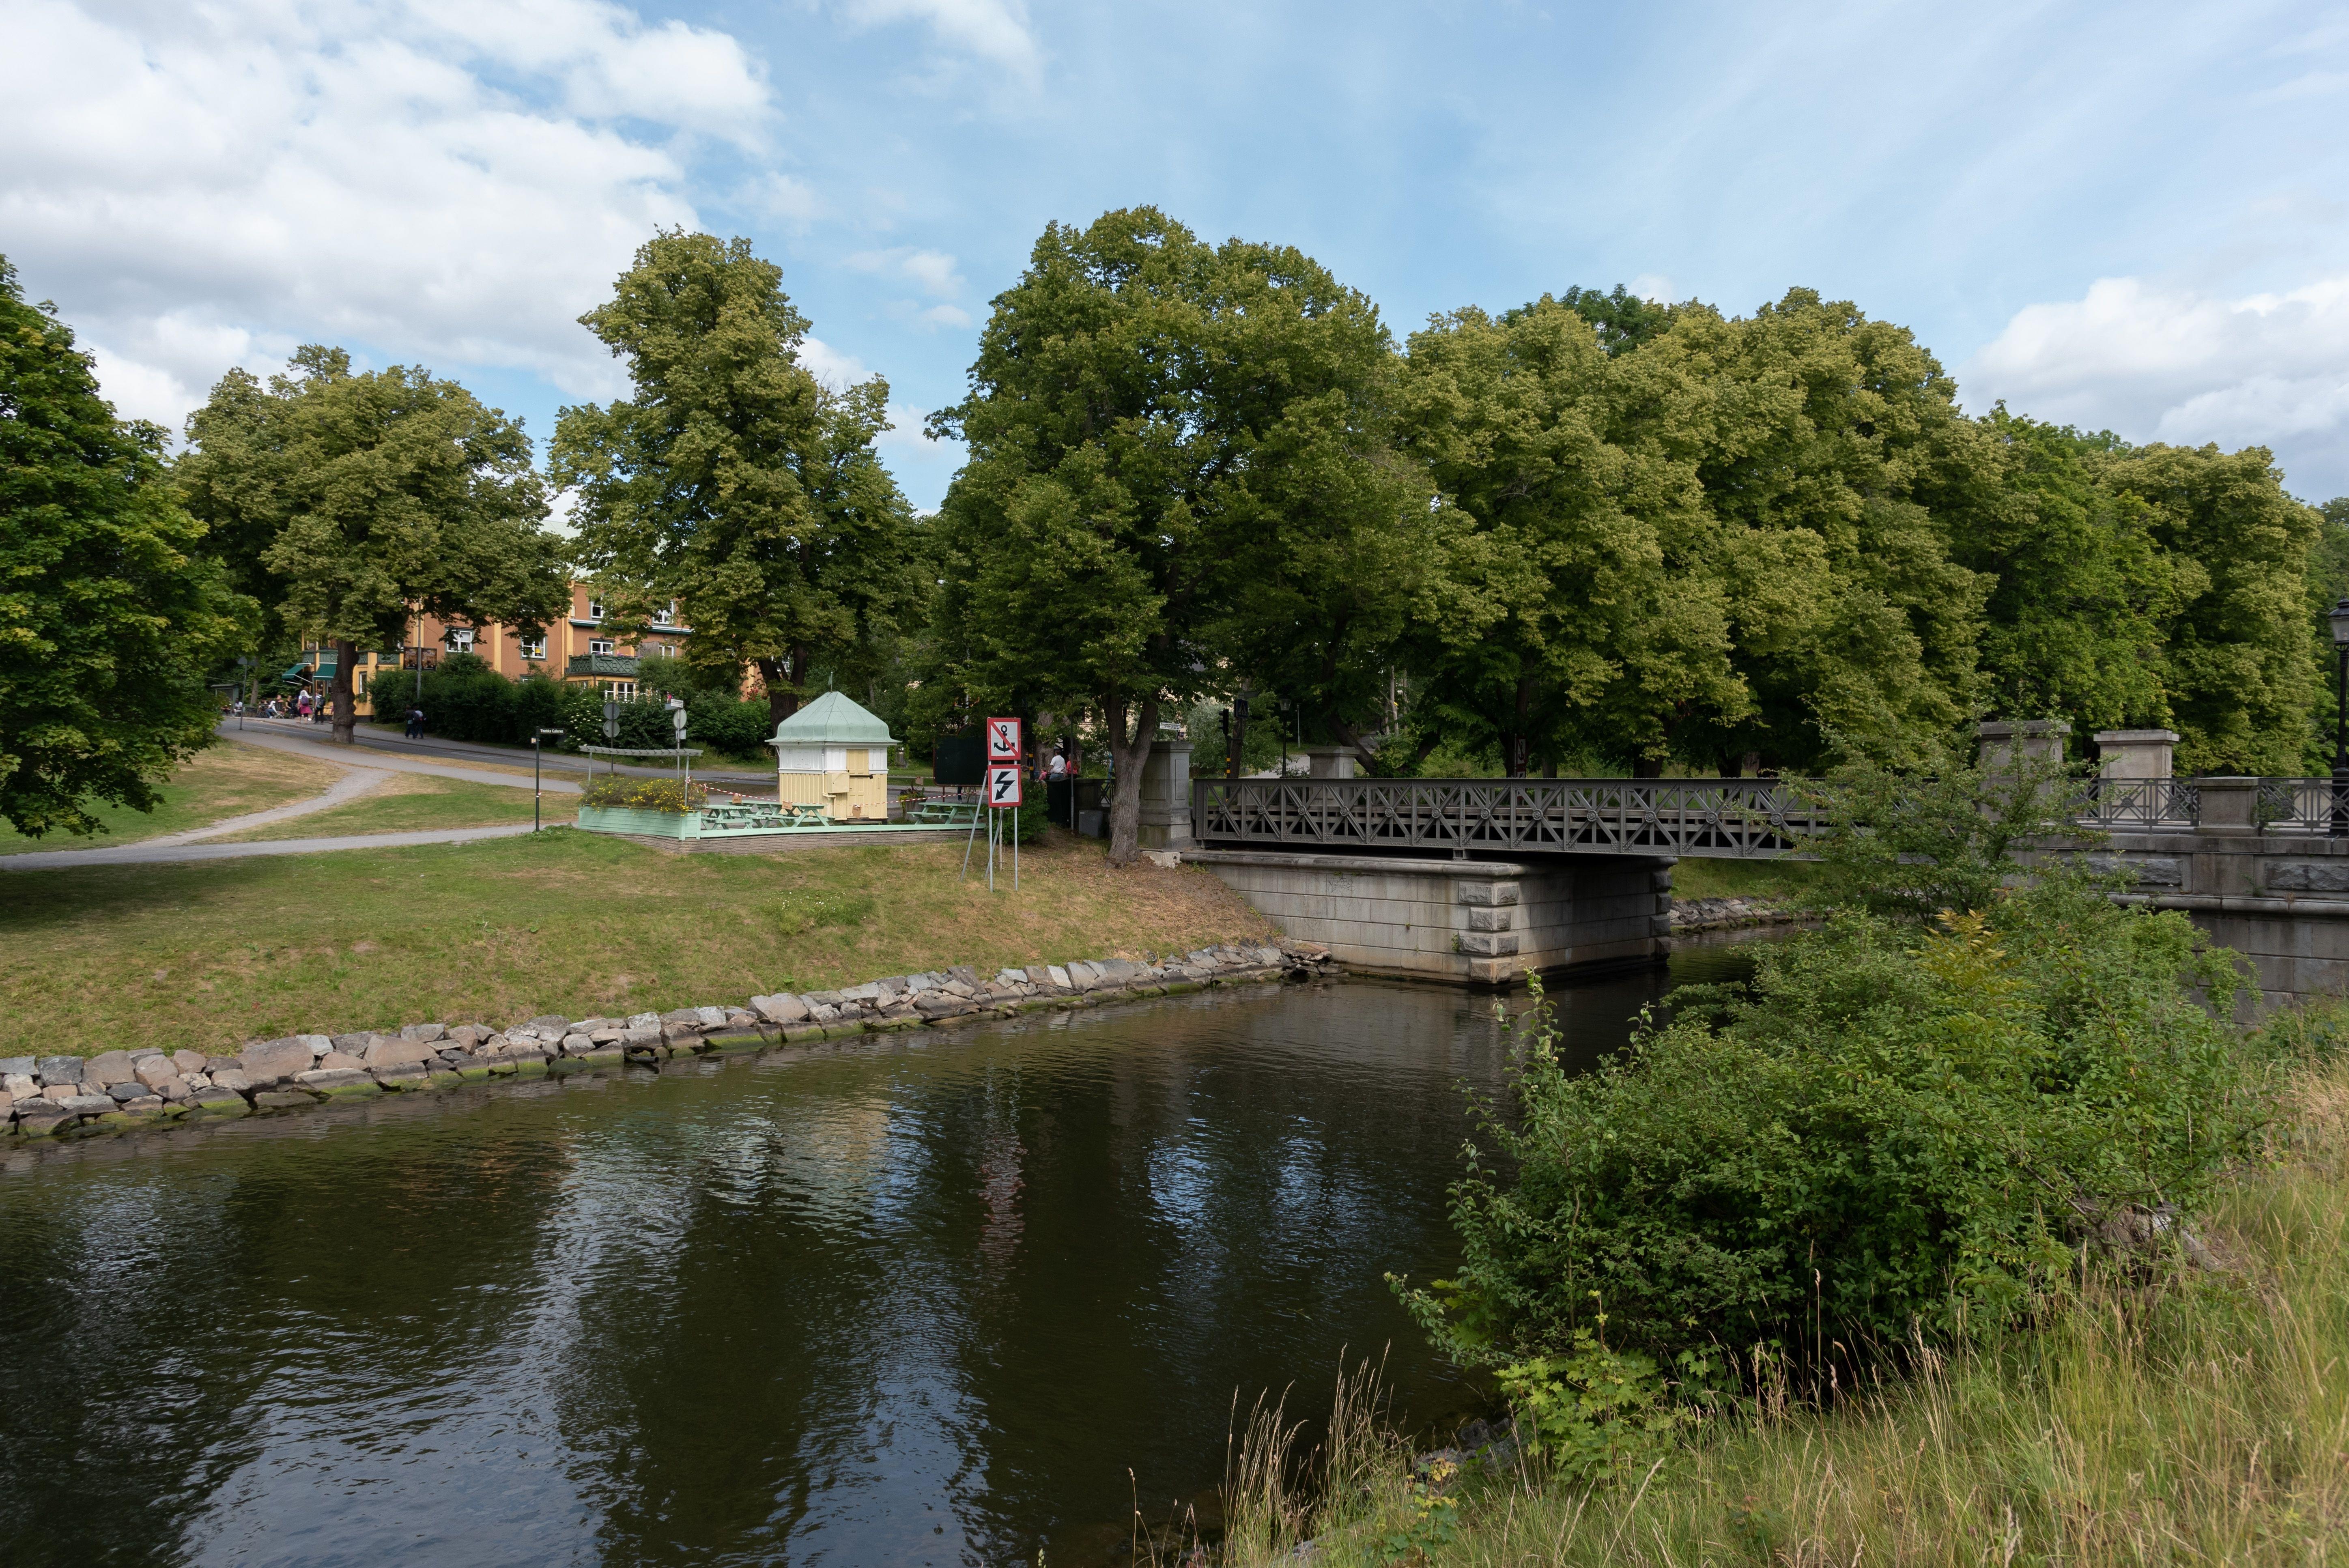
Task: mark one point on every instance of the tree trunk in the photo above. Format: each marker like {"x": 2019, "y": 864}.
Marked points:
{"x": 1128, "y": 757}
{"x": 1647, "y": 768}
{"x": 1239, "y": 728}
{"x": 782, "y": 678}
{"x": 346, "y": 721}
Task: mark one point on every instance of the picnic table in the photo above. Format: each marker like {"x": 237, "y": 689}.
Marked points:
{"x": 749, "y": 814}
{"x": 943, "y": 813}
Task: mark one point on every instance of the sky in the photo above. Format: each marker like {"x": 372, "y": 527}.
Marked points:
{"x": 2125, "y": 217}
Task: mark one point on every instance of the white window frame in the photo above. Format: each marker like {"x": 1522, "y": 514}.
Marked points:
{"x": 599, "y": 645}
{"x": 534, "y": 647}
{"x": 459, "y": 639}
{"x": 619, "y": 691}
{"x": 665, "y": 617}
{"x": 668, "y": 650}
{"x": 594, "y": 609}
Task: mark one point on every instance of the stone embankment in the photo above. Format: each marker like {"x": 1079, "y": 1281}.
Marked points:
{"x": 50, "y": 1096}
{"x": 1734, "y": 913}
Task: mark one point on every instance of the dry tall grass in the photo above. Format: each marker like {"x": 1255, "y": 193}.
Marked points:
{"x": 2196, "y": 1419}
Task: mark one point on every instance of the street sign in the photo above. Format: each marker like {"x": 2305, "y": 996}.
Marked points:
{"x": 1003, "y": 785}
{"x": 677, "y": 717}
{"x": 611, "y": 721}
{"x": 1003, "y": 740}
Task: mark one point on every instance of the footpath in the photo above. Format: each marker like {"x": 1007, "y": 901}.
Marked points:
{"x": 381, "y": 747}
{"x": 359, "y": 779}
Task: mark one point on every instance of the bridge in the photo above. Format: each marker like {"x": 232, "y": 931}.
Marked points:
{"x": 1480, "y": 881}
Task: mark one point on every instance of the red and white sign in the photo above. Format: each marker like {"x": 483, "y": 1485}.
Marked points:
{"x": 1003, "y": 740}
{"x": 1003, "y": 786}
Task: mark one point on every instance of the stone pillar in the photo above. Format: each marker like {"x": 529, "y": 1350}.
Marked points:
{"x": 2135, "y": 753}
{"x": 1167, "y": 796}
{"x": 2227, "y": 839}
{"x": 1329, "y": 762}
{"x": 2039, "y": 740}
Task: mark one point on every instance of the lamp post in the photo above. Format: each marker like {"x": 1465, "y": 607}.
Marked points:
{"x": 536, "y": 736}
{"x": 2339, "y": 619}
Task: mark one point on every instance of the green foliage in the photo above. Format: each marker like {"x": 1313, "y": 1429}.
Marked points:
{"x": 1596, "y": 1415}
{"x": 349, "y": 501}
{"x": 633, "y": 792}
{"x": 735, "y": 482}
{"x": 1724, "y": 537}
{"x": 1177, "y": 475}
{"x": 108, "y": 611}
{"x": 2081, "y": 590}
{"x": 1907, "y": 846}
{"x": 1894, "y": 1135}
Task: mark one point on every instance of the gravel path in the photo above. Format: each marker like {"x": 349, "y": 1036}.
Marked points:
{"x": 323, "y": 751}
{"x": 156, "y": 852}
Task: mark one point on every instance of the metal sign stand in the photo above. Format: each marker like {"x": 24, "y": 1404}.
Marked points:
{"x": 1002, "y": 757}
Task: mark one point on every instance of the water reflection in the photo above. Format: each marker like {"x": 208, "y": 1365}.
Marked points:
{"x": 921, "y": 1302}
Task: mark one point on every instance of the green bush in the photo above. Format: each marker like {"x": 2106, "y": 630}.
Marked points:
{"x": 631, "y": 793}
{"x": 1888, "y": 1136}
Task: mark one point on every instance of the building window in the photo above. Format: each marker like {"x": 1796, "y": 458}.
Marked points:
{"x": 534, "y": 647}
{"x": 668, "y": 650}
{"x": 460, "y": 639}
{"x": 594, "y": 609}
{"x": 620, "y": 691}
{"x": 358, "y": 683}
{"x": 599, "y": 644}
{"x": 665, "y": 617}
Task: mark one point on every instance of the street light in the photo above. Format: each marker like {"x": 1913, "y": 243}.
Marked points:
{"x": 536, "y": 736}
{"x": 2339, "y": 618}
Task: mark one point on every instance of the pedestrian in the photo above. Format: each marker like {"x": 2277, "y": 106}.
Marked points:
{"x": 415, "y": 723}
{"x": 1058, "y": 769}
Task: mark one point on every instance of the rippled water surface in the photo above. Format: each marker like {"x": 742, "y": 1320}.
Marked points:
{"x": 928, "y": 1303}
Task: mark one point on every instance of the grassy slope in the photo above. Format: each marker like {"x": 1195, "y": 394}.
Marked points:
{"x": 227, "y": 781}
{"x": 211, "y": 953}
{"x": 2202, "y": 1420}
{"x": 410, "y": 802}
{"x": 1694, "y": 878}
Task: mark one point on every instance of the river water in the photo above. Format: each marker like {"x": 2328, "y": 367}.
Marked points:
{"x": 952, "y": 1299}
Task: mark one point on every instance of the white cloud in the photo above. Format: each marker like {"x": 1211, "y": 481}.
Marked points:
{"x": 1653, "y": 286}
{"x": 992, "y": 30}
{"x": 933, "y": 272}
{"x": 830, "y": 365}
{"x": 448, "y": 179}
{"x": 2156, "y": 364}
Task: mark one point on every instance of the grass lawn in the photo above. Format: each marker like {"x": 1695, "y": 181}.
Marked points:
{"x": 225, "y": 780}
{"x": 414, "y": 801}
{"x": 212, "y": 954}
{"x": 1694, "y": 878}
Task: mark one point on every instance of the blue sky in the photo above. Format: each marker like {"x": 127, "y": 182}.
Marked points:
{"x": 2135, "y": 217}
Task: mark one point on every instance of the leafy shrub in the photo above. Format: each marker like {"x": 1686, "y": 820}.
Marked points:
{"x": 630, "y": 792}
{"x": 1888, "y": 1135}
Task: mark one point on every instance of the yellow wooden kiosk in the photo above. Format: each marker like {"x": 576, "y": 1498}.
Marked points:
{"x": 834, "y": 756}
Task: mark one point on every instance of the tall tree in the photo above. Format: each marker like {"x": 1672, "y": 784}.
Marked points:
{"x": 733, "y": 481}
{"x": 2081, "y": 590}
{"x": 108, "y": 610}
{"x": 2236, "y": 663}
{"x": 1174, "y": 448}
{"x": 1580, "y": 599}
{"x": 363, "y": 499}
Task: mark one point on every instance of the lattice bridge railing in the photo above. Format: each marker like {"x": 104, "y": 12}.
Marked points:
{"x": 1724, "y": 819}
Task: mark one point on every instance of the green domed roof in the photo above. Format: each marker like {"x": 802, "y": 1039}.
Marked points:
{"x": 832, "y": 720}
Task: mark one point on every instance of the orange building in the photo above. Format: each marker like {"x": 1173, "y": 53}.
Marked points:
{"x": 574, "y": 650}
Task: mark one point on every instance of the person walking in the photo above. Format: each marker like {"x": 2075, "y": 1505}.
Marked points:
{"x": 415, "y": 723}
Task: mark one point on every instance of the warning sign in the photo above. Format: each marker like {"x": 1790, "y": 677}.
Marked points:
{"x": 1003, "y": 786}
{"x": 1003, "y": 740}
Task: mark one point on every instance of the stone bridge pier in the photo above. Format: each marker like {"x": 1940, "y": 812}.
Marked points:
{"x": 1474, "y": 922}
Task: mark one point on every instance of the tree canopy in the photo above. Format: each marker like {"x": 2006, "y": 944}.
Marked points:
{"x": 360, "y": 500}
{"x": 733, "y": 480}
{"x": 108, "y": 609}
{"x": 1178, "y": 480}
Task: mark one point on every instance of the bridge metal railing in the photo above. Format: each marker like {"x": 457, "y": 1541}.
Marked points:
{"x": 1723, "y": 818}
{"x": 2144, "y": 805}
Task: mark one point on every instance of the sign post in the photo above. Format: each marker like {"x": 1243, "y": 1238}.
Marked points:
{"x": 1002, "y": 794}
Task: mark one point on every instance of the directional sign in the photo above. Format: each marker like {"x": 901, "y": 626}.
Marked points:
{"x": 677, "y": 717}
{"x": 1003, "y": 740}
{"x": 611, "y": 721}
{"x": 1003, "y": 786}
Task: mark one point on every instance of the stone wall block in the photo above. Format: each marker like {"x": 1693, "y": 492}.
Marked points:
{"x": 1491, "y": 919}
{"x": 1485, "y": 892}
{"x": 1488, "y": 944}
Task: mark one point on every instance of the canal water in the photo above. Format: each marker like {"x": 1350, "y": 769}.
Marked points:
{"x": 958, "y": 1298}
